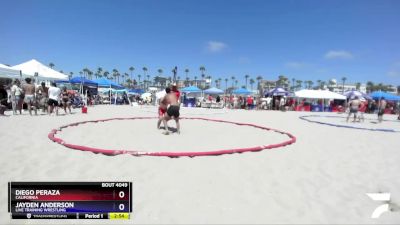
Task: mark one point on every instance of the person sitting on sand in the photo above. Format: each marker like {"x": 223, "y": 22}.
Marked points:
{"x": 354, "y": 105}
{"x": 29, "y": 90}
{"x": 54, "y": 97}
{"x": 172, "y": 110}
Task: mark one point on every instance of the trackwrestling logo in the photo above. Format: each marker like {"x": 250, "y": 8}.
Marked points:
{"x": 383, "y": 197}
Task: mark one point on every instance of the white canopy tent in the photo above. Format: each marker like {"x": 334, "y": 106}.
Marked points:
{"x": 4, "y": 66}
{"x": 42, "y": 72}
{"x": 7, "y": 72}
{"x": 318, "y": 94}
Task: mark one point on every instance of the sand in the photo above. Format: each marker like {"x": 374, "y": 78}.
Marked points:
{"x": 320, "y": 179}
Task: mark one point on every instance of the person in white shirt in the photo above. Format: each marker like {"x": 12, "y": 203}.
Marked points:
{"x": 54, "y": 97}
{"x": 16, "y": 99}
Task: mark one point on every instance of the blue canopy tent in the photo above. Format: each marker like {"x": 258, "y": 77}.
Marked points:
{"x": 213, "y": 91}
{"x": 191, "y": 89}
{"x": 136, "y": 91}
{"x": 103, "y": 82}
{"x": 276, "y": 92}
{"x": 83, "y": 81}
{"x": 242, "y": 91}
{"x": 380, "y": 94}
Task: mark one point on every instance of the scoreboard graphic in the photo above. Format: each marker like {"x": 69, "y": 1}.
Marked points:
{"x": 70, "y": 200}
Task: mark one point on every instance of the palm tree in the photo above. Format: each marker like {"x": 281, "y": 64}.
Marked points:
{"x": 148, "y": 79}
{"x": 298, "y": 84}
{"x": 233, "y": 80}
{"x": 114, "y": 74}
{"x": 51, "y": 65}
{"x": 90, "y": 73}
{"x": 310, "y": 84}
{"x": 252, "y": 83}
{"x": 61, "y": 71}
{"x": 195, "y": 80}
{"x": 187, "y": 81}
{"x": 129, "y": 82}
{"x": 370, "y": 86}
{"x": 259, "y": 78}
{"x": 139, "y": 78}
{"x": 131, "y": 69}
{"x": 358, "y": 85}
{"x": 246, "y": 77}
{"x": 99, "y": 72}
{"x": 343, "y": 80}
{"x": 105, "y": 74}
{"x": 322, "y": 87}
{"x": 293, "y": 80}
{"x": 187, "y": 72}
{"x": 319, "y": 83}
{"x": 236, "y": 83}
{"x": 144, "y": 70}
{"x": 160, "y": 71}
{"x": 209, "y": 78}
{"x": 202, "y": 69}
{"x": 226, "y": 83}
{"x": 70, "y": 75}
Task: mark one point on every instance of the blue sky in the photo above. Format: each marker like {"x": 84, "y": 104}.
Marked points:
{"x": 306, "y": 40}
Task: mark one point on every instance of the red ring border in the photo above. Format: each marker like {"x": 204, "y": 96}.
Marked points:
{"x": 60, "y": 141}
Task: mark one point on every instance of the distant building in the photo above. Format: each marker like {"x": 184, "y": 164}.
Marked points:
{"x": 339, "y": 88}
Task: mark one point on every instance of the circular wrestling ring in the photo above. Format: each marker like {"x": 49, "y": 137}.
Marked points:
{"x": 307, "y": 118}
{"x": 54, "y": 132}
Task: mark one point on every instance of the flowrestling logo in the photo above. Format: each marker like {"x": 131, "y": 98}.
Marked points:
{"x": 382, "y": 197}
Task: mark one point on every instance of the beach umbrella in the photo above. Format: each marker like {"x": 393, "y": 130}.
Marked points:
{"x": 242, "y": 91}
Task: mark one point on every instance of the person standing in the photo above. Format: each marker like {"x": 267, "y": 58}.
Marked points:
{"x": 354, "y": 105}
{"x": 16, "y": 93}
{"x": 381, "y": 109}
{"x": 66, "y": 100}
{"x": 362, "y": 110}
{"x": 54, "y": 97}
{"x": 42, "y": 96}
{"x": 172, "y": 111}
{"x": 29, "y": 90}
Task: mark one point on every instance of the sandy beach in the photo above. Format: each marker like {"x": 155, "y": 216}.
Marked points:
{"x": 323, "y": 178}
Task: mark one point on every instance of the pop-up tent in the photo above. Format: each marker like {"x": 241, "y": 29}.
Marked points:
{"x": 37, "y": 69}
{"x": 352, "y": 94}
{"x": 276, "y": 92}
{"x": 213, "y": 91}
{"x": 103, "y": 82}
{"x": 242, "y": 91}
{"x": 318, "y": 94}
{"x": 380, "y": 94}
{"x": 191, "y": 89}
{"x": 9, "y": 73}
{"x": 83, "y": 81}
